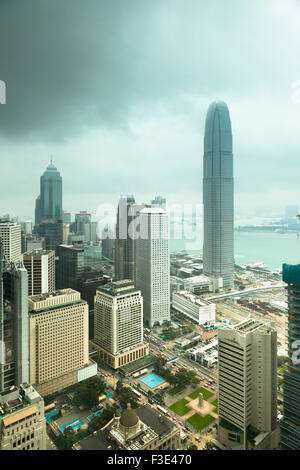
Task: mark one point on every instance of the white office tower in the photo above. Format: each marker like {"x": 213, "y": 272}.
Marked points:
{"x": 218, "y": 255}
{"x": 118, "y": 324}
{"x": 153, "y": 265}
{"x": 247, "y": 389}
{"x": 40, "y": 265}
{"x": 10, "y": 234}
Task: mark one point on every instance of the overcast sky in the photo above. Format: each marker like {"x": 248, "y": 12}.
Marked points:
{"x": 117, "y": 91}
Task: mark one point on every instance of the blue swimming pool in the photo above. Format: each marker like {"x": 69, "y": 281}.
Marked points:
{"x": 48, "y": 416}
{"x": 95, "y": 414}
{"x": 108, "y": 393}
{"x": 153, "y": 380}
{"x": 77, "y": 423}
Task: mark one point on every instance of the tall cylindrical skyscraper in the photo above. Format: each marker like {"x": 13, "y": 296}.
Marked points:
{"x": 218, "y": 254}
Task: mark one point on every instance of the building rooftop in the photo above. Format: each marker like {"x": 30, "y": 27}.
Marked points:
{"x": 192, "y": 298}
{"x": 250, "y": 324}
{"x": 156, "y": 424}
{"x": 18, "y": 403}
{"x": 38, "y": 252}
{"x": 117, "y": 288}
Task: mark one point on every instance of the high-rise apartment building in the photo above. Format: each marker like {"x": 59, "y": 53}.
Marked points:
{"x": 118, "y": 324}
{"x": 10, "y": 234}
{"x": 153, "y": 265}
{"x": 290, "y": 423}
{"x": 58, "y": 334}
{"x": 14, "y": 334}
{"x": 40, "y": 265}
{"x": 22, "y": 420}
{"x": 247, "y": 389}
{"x": 218, "y": 254}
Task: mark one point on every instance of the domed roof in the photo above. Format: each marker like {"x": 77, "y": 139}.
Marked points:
{"x": 129, "y": 417}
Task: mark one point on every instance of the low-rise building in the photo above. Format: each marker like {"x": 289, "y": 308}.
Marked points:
{"x": 140, "y": 429}
{"x": 196, "y": 309}
{"x": 22, "y": 420}
{"x": 206, "y": 354}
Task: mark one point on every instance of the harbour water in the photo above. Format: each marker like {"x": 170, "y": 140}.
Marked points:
{"x": 273, "y": 249}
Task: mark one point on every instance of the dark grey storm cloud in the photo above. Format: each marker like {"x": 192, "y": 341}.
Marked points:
{"x": 117, "y": 90}
{"x": 69, "y": 64}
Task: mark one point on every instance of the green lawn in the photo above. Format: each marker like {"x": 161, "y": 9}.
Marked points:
{"x": 206, "y": 393}
{"x": 180, "y": 407}
{"x": 215, "y": 403}
{"x": 200, "y": 423}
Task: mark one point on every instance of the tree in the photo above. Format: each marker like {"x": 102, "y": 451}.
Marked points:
{"x": 86, "y": 396}
{"x": 192, "y": 447}
{"x": 209, "y": 446}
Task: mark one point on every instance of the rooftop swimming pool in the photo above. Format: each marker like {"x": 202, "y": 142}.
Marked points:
{"x": 48, "y": 416}
{"x": 77, "y": 423}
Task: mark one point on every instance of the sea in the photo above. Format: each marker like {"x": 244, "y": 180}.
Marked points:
{"x": 272, "y": 249}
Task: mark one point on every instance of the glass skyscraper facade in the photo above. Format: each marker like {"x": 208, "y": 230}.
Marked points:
{"x": 14, "y": 327}
{"x": 218, "y": 255}
{"x": 290, "y": 423}
{"x": 51, "y": 194}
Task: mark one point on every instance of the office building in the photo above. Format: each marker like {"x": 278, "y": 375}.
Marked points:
{"x": 247, "y": 386}
{"x": 37, "y": 212}
{"x": 27, "y": 227}
{"x": 108, "y": 244}
{"x": 125, "y": 244}
{"x": 153, "y": 265}
{"x": 90, "y": 233}
{"x": 10, "y": 234}
{"x": 70, "y": 266}
{"x": 51, "y": 194}
{"x": 195, "y": 308}
{"x": 52, "y": 232}
{"x": 22, "y": 420}
{"x": 58, "y": 341}
{"x": 32, "y": 242}
{"x": 49, "y": 208}
{"x": 118, "y": 324}
{"x": 66, "y": 217}
{"x": 218, "y": 254}
{"x": 82, "y": 218}
{"x": 290, "y": 423}
{"x": 40, "y": 265}
{"x": 14, "y": 351}
{"x": 159, "y": 201}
